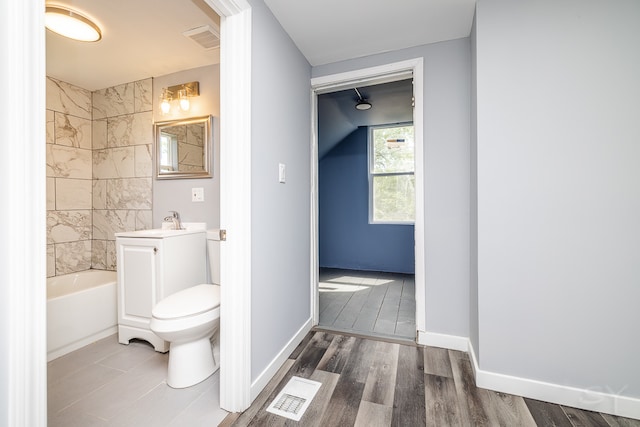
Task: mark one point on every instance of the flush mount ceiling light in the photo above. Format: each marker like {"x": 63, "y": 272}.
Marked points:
{"x": 362, "y": 103}
{"x": 71, "y": 24}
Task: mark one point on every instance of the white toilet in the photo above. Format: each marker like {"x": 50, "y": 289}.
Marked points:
{"x": 189, "y": 320}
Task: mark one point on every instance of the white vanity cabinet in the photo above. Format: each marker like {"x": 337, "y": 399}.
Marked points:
{"x": 151, "y": 265}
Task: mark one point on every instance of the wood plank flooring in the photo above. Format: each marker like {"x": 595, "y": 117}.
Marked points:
{"x": 373, "y": 383}
{"x": 369, "y": 303}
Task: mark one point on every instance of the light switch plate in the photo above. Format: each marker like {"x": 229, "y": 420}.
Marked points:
{"x": 282, "y": 176}
{"x": 197, "y": 194}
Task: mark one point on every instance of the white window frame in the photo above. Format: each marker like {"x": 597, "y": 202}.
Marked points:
{"x": 170, "y": 142}
{"x": 371, "y": 174}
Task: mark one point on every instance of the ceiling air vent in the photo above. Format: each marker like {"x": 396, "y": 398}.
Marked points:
{"x": 205, "y": 36}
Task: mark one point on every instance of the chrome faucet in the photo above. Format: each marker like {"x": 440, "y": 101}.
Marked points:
{"x": 175, "y": 218}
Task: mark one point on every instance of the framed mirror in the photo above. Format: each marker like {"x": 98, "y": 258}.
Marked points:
{"x": 183, "y": 148}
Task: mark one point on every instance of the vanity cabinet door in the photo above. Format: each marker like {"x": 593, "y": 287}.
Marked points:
{"x": 139, "y": 272}
{"x": 150, "y": 269}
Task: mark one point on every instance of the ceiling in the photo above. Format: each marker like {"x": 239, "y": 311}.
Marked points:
{"x": 140, "y": 39}
{"x": 338, "y": 117}
{"x": 327, "y": 31}
{"x": 143, "y": 38}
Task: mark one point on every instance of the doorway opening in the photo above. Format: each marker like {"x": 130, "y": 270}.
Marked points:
{"x": 361, "y": 285}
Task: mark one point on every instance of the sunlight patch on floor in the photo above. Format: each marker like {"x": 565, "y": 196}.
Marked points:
{"x": 340, "y": 287}
{"x": 373, "y": 281}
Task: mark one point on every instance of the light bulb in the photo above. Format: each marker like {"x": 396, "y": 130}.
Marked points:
{"x": 165, "y": 106}
{"x": 165, "y": 101}
{"x": 184, "y": 100}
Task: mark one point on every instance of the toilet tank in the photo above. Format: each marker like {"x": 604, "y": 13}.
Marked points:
{"x": 213, "y": 251}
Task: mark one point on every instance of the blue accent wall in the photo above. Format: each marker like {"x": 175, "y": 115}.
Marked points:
{"x": 346, "y": 238}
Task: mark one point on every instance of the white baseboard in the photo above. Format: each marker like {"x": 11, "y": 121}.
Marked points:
{"x": 451, "y": 342}
{"x": 271, "y": 369}
{"x": 588, "y": 399}
{"x": 599, "y": 400}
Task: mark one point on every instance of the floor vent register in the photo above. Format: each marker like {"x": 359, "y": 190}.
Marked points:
{"x": 294, "y": 399}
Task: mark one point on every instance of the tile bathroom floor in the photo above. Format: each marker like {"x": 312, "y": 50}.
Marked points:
{"x": 368, "y": 302}
{"x": 110, "y": 384}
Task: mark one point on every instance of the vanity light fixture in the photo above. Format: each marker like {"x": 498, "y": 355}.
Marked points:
{"x": 71, "y": 24}
{"x": 183, "y": 92}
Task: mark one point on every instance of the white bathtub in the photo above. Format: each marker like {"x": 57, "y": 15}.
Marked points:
{"x": 81, "y": 308}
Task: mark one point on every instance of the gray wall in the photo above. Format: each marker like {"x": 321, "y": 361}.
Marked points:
{"x": 280, "y": 234}
{"x": 346, "y": 239}
{"x": 447, "y": 78}
{"x": 175, "y": 194}
{"x": 558, "y": 191}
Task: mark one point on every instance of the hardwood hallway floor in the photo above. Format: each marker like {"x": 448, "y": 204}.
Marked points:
{"x": 376, "y": 383}
{"x": 368, "y": 302}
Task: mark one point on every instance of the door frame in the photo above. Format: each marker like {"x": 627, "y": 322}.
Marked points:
{"x": 23, "y": 364}
{"x": 23, "y": 299}
{"x": 235, "y": 202}
{"x": 367, "y": 76}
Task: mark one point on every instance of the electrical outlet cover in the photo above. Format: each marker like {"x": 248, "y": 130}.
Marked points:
{"x": 197, "y": 194}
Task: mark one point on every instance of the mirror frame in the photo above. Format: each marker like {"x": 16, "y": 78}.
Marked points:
{"x": 207, "y": 146}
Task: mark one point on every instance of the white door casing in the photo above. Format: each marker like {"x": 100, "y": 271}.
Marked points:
{"x": 375, "y": 75}
{"x": 23, "y": 362}
{"x": 24, "y": 188}
{"x": 235, "y": 203}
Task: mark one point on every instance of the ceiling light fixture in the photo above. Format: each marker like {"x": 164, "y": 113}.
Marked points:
{"x": 71, "y": 24}
{"x": 362, "y": 103}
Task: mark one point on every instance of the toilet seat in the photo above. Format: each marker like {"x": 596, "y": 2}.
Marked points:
{"x": 188, "y": 302}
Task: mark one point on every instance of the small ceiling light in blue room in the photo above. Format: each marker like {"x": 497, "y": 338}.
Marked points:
{"x": 362, "y": 103}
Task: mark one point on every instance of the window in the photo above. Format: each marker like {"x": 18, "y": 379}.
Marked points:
{"x": 391, "y": 175}
{"x": 168, "y": 152}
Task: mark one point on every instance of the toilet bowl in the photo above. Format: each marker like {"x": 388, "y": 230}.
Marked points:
{"x": 189, "y": 321}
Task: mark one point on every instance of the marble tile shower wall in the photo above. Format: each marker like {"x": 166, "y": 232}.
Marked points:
{"x": 99, "y": 172}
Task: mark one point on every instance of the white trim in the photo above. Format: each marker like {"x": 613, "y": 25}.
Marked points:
{"x": 472, "y": 356}
{"x": 226, "y": 8}
{"x": 591, "y": 400}
{"x": 419, "y": 226}
{"x": 272, "y": 368}
{"x": 376, "y": 75}
{"x": 235, "y": 203}
{"x": 23, "y": 366}
{"x": 369, "y": 76}
{"x": 314, "y": 253}
{"x": 451, "y": 342}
